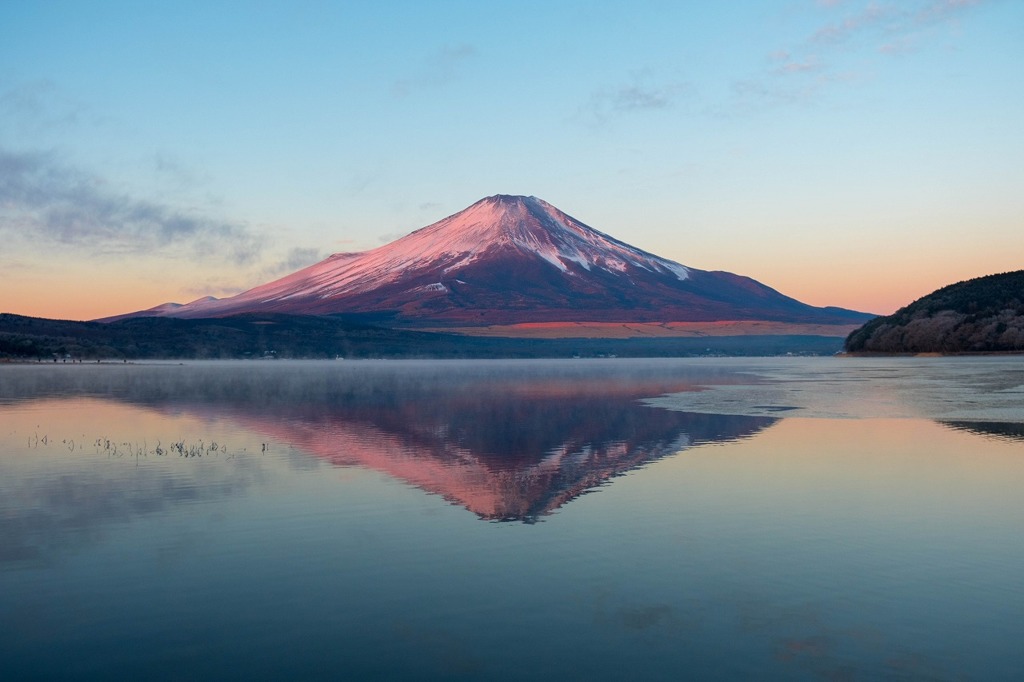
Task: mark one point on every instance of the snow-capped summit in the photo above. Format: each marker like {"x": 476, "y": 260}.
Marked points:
{"x": 512, "y": 259}
{"x": 525, "y": 224}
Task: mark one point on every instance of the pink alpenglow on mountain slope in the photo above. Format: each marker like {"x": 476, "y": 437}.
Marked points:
{"x": 512, "y": 260}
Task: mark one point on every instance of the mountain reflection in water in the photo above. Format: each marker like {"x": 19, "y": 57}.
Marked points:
{"x": 504, "y": 452}
{"x": 508, "y": 441}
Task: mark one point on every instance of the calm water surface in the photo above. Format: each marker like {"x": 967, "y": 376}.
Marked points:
{"x": 676, "y": 519}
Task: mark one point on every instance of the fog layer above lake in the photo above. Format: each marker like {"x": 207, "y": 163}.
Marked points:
{"x": 983, "y": 389}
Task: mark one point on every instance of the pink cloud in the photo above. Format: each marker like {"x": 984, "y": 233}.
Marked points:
{"x": 805, "y": 66}
{"x": 941, "y": 10}
{"x": 898, "y": 46}
{"x": 870, "y": 16}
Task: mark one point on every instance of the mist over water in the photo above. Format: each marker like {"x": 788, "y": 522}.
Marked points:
{"x": 770, "y": 519}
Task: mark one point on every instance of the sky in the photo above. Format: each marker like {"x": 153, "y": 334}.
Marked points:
{"x": 845, "y": 152}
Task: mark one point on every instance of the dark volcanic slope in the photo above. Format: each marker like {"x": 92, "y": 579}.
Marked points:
{"x": 508, "y": 260}
{"x": 980, "y": 315}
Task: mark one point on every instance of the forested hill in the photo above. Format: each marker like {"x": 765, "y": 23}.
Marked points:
{"x": 306, "y": 336}
{"x": 985, "y": 314}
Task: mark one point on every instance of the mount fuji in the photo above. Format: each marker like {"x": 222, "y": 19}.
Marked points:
{"x": 512, "y": 260}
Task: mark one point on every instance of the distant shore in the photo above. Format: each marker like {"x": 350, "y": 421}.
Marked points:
{"x": 632, "y": 330}
{"x": 878, "y": 354}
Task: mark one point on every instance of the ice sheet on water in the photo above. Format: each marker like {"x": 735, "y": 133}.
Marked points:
{"x": 989, "y": 389}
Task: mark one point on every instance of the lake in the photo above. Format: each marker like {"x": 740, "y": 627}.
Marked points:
{"x": 778, "y": 518}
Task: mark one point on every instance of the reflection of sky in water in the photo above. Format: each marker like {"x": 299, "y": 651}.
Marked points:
{"x": 768, "y": 549}
{"x": 71, "y": 468}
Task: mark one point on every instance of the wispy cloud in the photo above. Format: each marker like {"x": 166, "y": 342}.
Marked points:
{"x": 217, "y": 287}
{"x": 296, "y": 259}
{"x": 637, "y": 97}
{"x": 170, "y": 172}
{"x": 869, "y": 17}
{"x": 643, "y": 93}
{"x": 47, "y": 199}
{"x": 943, "y": 10}
{"x": 839, "y": 48}
{"x": 32, "y": 107}
{"x": 758, "y": 93}
{"x": 437, "y": 69}
{"x": 806, "y": 65}
{"x": 389, "y": 237}
{"x": 899, "y": 45}
{"x": 893, "y": 23}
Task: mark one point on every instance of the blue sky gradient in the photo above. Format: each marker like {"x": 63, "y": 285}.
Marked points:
{"x": 847, "y": 153}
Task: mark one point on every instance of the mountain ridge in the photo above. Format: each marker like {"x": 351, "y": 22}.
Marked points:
{"x": 510, "y": 259}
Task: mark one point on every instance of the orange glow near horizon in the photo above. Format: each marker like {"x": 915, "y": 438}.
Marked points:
{"x": 868, "y": 280}
{"x": 86, "y": 296}
{"x": 95, "y": 298}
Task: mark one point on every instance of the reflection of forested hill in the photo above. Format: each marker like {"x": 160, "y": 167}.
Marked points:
{"x": 1001, "y": 430}
{"x": 979, "y": 315}
{"x": 510, "y": 441}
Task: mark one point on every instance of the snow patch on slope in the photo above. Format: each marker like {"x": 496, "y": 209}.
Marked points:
{"x": 437, "y": 286}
